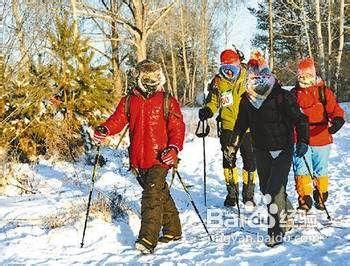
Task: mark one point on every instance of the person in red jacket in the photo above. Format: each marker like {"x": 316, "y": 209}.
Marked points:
{"x": 326, "y": 117}
{"x": 155, "y": 140}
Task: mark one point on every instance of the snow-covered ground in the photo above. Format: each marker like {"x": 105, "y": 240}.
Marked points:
{"x": 25, "y": 239}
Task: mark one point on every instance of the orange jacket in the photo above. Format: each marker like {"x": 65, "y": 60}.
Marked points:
{"x": 319, "y": 115}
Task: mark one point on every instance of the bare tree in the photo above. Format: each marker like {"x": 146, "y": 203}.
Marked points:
{"x": 271, "y": 52}
{"x": 19, "y": 29}
{"x": 330, "y": 41}
{"x": 341, "y": 44}
{"x": 320, "y": 46}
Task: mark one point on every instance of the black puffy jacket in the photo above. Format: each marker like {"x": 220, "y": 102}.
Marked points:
{"x": 272, "y": 125}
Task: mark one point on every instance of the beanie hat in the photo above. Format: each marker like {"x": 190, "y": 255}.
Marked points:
{"x": 306, "y": 66}
{"x": 229, "y": 57}
{"x": 257, "y": 64}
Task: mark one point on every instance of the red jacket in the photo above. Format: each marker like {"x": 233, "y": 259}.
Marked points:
{"x": 150, "y": 133}
{"x": 310, "y": 103}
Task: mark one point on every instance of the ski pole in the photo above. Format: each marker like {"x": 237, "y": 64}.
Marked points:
{"x": 205, "y": 132}
{"x": 313, "y": 179}
{"x": 90, "y": 193}
{"x": 193, "y": 204}
{"x": 235, "y": 188}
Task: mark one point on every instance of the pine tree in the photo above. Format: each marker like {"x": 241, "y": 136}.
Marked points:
{"x": 83, "y": 88}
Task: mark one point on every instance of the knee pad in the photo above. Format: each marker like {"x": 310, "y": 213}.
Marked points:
{"x": 231, "y": 175}
{"x": 303, "y": 184}
{"x": 247, "y": 174}
{"x": 322, "y": 183}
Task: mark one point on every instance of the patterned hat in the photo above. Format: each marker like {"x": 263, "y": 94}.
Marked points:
{"x": 257, "y": 64}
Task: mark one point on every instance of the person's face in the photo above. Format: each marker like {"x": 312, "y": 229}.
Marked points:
{"x": 306, "y": 80}
{"x": 260, "y": 82}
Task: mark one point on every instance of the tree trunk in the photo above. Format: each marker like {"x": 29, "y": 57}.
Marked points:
{"x": 169, "y": 89}
{"x": 20, "y": 34}
{"x": 75, "y": 20}
{"x": 306, "y": 28}
{"x": 271, "y": 52}
{"x": 117, "y": 73}
{"x": 321, "y": 56}
{"x": 140, "y": 11}
{"x": 329, "y": 54}
{"x": 341, "y": 44}
{"x": 173, "y": 69}
{"x": 184, "y": 57}
{"x": 204, "y": 44}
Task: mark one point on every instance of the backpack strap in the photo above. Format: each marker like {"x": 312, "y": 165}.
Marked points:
{"x": 323, "y": 100}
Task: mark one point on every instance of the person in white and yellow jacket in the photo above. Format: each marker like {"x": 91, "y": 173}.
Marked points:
{"x": 224, "y": 96}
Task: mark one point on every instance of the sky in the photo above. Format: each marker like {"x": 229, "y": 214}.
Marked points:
{"x": 243, "y": 28}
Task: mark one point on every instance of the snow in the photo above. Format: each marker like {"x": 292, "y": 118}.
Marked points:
{"x": 25, "y": 240}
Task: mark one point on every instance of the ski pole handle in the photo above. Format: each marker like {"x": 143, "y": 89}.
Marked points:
{"x": 204, "y": 126}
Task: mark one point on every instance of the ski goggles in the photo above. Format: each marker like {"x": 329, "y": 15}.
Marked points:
{"x": 230, "y": 72}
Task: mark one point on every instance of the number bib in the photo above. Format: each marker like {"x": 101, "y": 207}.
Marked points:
{"x": 226, "y": 98}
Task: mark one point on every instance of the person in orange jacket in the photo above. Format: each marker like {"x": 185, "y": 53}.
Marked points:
{"x": 326, "y": 117}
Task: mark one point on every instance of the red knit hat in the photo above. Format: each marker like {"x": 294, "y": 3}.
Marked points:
{"x": 229, "y": 57}
{"x": 306, "y": 66}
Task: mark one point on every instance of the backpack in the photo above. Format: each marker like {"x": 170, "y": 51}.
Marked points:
{"x": 322, "y": 99}
{"x": 166, "y": 105}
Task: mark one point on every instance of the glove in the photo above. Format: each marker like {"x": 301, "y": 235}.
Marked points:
{"x": 300, "y": 149}
{"x": 169, "y": 156}
{"x": 100, "y": 134}
{"x": 337, "y": 123}
{"x": 205, "y": 113}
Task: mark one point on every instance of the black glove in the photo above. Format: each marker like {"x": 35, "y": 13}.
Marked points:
{"x": 205, "y": 113}
{"x": 337, "y": 123}
{"x": 300, "y": 149}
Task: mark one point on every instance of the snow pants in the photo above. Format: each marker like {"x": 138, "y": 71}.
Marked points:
{"x": 273, "y": 179}
{"x": 158, "y": 210}
{"x": 317, "y": 158}
{"x": 248, "y": 171}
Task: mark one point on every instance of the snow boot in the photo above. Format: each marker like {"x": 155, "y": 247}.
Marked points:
{"x": 318, "y": 200}
{"x": 231, "y": 198}
{"x": 274, "y": 240}
{"x": 275, "y": 237}
{"x": 248, "y": 187}
{"x": 168, "y": 238}
{"x": 144, "y": 246}
{"x": 305, "y": 203}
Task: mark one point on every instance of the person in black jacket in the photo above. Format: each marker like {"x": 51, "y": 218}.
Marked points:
{"x": 271, "y": 113}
